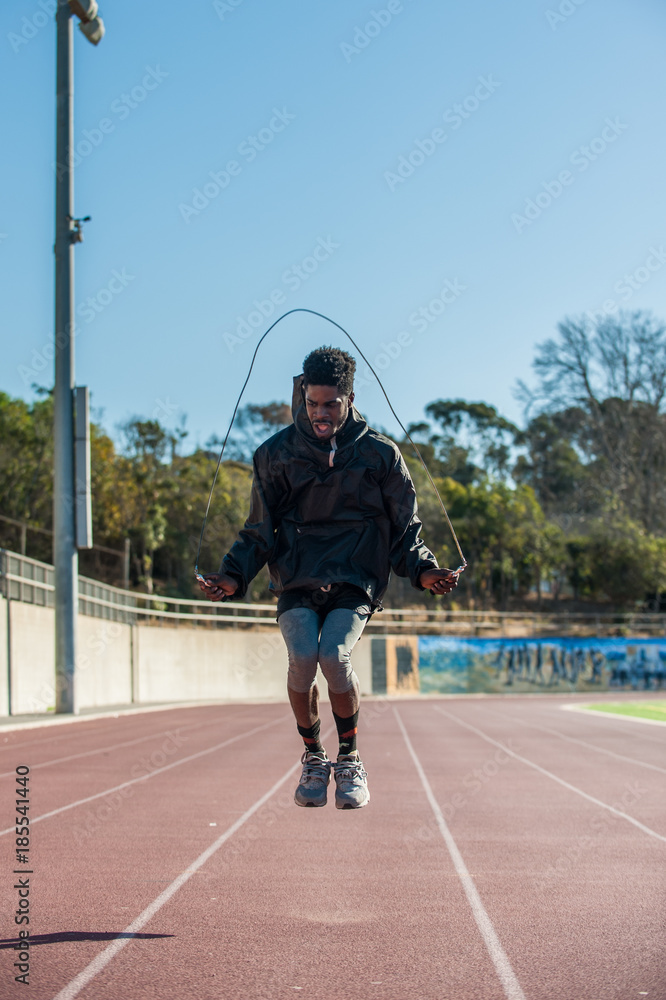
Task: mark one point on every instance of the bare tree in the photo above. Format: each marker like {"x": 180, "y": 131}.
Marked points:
{"x": 613, "y": 371}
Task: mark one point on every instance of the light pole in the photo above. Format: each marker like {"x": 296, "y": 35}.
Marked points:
{"x": 67, "y": 233}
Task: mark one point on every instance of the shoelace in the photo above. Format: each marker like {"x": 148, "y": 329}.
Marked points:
{"x": 313, "y": 769}
{"x": 348, "y": 770}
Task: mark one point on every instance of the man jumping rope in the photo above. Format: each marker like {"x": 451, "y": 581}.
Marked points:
{"x": 333, "y": 511}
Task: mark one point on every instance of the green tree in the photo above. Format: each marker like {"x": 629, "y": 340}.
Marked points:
{"x": 26, "y": 468}
{"x": 488, "y": 439}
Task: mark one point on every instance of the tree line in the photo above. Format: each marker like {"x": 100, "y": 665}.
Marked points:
{"x": 572, "y": 503}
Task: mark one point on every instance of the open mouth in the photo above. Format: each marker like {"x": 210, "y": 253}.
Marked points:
{"x": 321, "y": 427}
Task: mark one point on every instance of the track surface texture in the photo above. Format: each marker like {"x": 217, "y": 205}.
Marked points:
{"x": 510, "y": 851}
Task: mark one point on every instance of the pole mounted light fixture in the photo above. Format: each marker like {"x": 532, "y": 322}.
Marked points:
{"x": 91, "y": 25}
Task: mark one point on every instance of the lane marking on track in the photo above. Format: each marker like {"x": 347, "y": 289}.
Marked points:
{"x": 499, "y": 958}
{"x": 554, "y": 709}
{"x": 145, "y": 777}
{"x": 554, "y": 777}
{"x": 608, "y": 717}
{"x": 572, "y": 739}
{"x": 119, "y": 713}
{"x": 74, "y": 987}
{"x": 61, "y": 734}
{"x": 617, "y": 716}
{"x": 115, "y": 746}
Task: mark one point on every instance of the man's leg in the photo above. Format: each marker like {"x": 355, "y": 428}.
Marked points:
{"x": 341, "y": 631}
{"x": 300, "y": 631}
{"x": 305, "y": 705}
{"x": 345, "y": 712}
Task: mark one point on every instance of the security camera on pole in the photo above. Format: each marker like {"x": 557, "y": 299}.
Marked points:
{"x": 71, "y": 493}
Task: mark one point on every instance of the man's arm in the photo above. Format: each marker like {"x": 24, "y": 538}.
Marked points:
{"x": 251, "y": 549}
{"x": 409, "y": 554}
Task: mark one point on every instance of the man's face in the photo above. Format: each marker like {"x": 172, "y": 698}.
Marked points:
{"x": 327, "y": 409}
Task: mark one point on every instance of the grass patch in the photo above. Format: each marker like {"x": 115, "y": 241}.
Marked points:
{"x": 637, "y": 709}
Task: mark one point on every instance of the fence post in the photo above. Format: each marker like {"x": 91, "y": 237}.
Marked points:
{"x": 134, "y": 661}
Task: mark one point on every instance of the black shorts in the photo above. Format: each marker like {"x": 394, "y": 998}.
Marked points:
{"x": 341, "y": 595}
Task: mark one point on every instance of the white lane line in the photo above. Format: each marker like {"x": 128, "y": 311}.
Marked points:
{"x": 117, "y": 713}
{"x": 60, "y": 734}
{"x": 145, "y": 777}
{"x": 616, "y": 716}
{"x": 555, "y": 709}
{"x": 74, "y": 987}
{"x": 115, "y": 746}
{"x": 554, "y": 777}
{"x": 500, "y": 960}
{"x": 572, "y": 739}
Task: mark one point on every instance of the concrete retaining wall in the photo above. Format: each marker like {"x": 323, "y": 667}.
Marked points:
{"x": 32, "y": 657}
{"x": 104, "y": 662}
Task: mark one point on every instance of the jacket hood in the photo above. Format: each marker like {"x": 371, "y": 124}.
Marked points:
{"x": 354, "y": 427}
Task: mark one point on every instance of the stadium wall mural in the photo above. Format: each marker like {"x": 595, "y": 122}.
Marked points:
{"x": 448, "y": 665}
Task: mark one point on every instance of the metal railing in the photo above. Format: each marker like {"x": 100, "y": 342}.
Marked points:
{"x": 31, "y": 581}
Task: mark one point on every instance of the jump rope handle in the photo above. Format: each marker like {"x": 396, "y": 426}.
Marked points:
{"x": 202, "y": 579}
{"x": 456, "y": 572}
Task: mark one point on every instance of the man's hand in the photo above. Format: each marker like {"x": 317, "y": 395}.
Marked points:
{"x": 439, "y": 581}
{"x": 217, "y": 586}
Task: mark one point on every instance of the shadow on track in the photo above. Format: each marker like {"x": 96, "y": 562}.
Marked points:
{"x": 62, "y": 936}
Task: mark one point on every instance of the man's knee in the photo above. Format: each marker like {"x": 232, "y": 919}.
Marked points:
{"x": 301, "y": 673}
{"x": 338, "y": 672}
{"x": 299, "y": 684}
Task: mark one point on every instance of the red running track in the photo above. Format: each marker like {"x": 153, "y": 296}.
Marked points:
{"x": 510, "y": 850}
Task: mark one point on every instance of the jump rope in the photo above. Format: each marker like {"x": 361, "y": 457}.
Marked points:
{"x": 313, "y": 312}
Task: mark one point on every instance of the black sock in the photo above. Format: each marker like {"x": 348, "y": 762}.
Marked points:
{"x": 311, "y": 737}
{"x": 347, "y": 729}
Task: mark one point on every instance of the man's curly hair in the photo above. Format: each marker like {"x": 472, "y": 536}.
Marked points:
{"x": 330, "y": 366}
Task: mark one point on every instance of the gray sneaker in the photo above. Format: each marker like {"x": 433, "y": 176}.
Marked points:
{"x": 316, "y": 774}
{"x": 351, "y": 791}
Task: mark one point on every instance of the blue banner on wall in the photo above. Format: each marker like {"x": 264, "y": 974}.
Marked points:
{"x": 448, "y": 665}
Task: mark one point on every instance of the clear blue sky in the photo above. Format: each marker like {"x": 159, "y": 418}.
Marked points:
{"x": 544, "y": 88}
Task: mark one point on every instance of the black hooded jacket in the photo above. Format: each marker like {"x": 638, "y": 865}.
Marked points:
{"x": 320, "y": 517}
